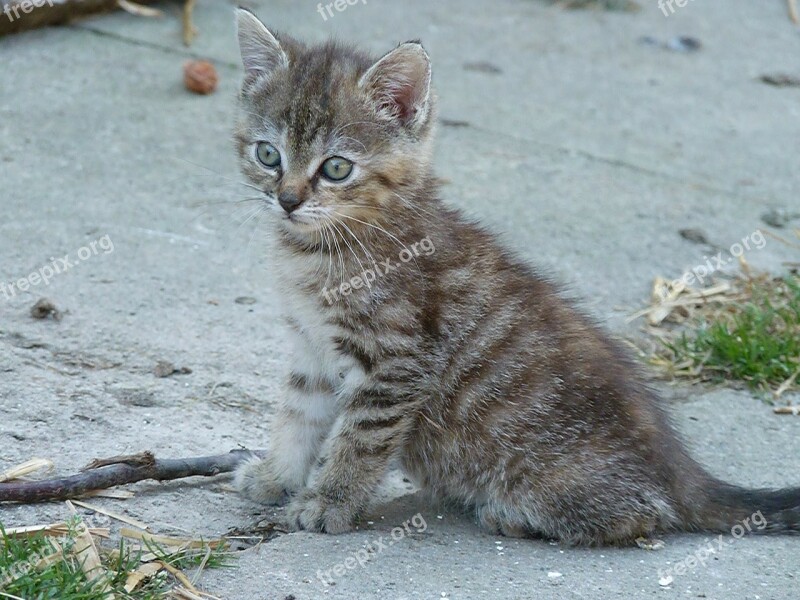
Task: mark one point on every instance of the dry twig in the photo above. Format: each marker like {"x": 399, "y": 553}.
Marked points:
{"x": 794, "y": 14}
{"x": 189, "y": 30}
{"x": 786, "y": 384}
{"x": 119, "y": 473}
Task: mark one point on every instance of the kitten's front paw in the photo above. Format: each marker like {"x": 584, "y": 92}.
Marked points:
{"x": 313, "y": 512}
{"x": 256, "y": 481}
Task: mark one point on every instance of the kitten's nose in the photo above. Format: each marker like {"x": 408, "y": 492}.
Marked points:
{"x": 289, "y": 201}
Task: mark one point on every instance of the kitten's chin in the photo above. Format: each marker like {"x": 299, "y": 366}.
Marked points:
{"x": 302, "y": 230}
{"x": 297, "y": 223}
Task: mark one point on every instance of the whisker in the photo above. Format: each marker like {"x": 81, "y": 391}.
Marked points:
{"x": 381, "y": 229}
{"x": 324, "y": 231}
{"x": 323, "y": 244}
{"x": 356, "y": 141}
{"x": 209, "y": 205}
{"x": 366, "y": 252}
{"x": 226, "y": 202}
{"x": 199, "y": 166}
{"x": 338, "y": 129}
{"x": 353, "y": 252}
{"x": 410, "y": 205}
{"x": 374, "y": 207}
{"x": 387, "y": 233}
{"x": 250, "y": 217}
{"x": 260, "y": 212}
{"x": 339, "y": 252}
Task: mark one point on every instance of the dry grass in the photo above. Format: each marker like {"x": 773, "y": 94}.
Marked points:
{"x": 69, "y": 561}
{"x": 743, "y": 330}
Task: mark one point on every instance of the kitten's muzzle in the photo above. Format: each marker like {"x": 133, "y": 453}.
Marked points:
{"x": 289, "y": 201}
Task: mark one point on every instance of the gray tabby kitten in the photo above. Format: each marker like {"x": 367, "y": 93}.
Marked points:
{"x": 461, "y": 362}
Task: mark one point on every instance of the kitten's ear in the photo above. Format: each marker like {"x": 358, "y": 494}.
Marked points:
{"x": 400, "y": 84}
{"x": 261, "y": 51}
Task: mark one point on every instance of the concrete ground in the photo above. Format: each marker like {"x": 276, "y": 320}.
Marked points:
{"x": 586, "y": 148}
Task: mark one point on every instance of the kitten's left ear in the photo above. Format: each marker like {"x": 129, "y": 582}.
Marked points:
{"x": 400, "y": 84}
{"x": 261, "y": 51}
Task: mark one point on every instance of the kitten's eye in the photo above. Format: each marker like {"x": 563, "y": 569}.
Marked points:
{"x": 268, "y": 154}
{"x": 337, "y": 168}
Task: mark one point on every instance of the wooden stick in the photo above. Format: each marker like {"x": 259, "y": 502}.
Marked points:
{"x": 143, "y": 459}
{"x": 115, "y": 474}
{"x": 794, "y": 15}
{"x": 189, "y": 30}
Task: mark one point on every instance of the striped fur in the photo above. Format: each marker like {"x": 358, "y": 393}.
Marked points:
{"x": 463, "y": 363}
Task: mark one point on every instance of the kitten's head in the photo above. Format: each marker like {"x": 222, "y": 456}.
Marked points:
{"x": 329, "y": 133}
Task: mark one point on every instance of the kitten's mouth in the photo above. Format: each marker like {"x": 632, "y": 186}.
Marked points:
{"x": 298, "y": 223}
{"x": 294, "y": 218}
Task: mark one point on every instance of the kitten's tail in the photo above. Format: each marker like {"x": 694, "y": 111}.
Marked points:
{"x": 739, "y": 511}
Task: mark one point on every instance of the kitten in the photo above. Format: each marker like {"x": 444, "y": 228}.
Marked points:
{"x": 459, "y": 361}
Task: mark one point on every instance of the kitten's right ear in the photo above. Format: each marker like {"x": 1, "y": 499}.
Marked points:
{"x": 261, "y": 51}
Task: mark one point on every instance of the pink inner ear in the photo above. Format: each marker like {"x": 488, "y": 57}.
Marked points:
{"x": 400, "y": 104}
{"x": 399, "y": 98}
{"x": 398, "y": 83}
{"x": 405, "y": 100}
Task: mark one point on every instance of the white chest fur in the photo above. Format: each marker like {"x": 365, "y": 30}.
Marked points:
{"x": 313, "y": 336}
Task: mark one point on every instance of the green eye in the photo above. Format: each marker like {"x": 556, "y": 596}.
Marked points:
{"x": 337, "y": 168}
{"x": 268, "y": 154}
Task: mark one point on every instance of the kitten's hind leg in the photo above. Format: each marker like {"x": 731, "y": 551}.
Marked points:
{"x": 296, "y": 433}
{"x": 491, "y": 521}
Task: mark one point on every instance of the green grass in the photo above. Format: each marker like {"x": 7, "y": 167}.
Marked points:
{"x": 23, "y": 573}
{"x": 191, "y": 558}
{"x": 755, "y": 341}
